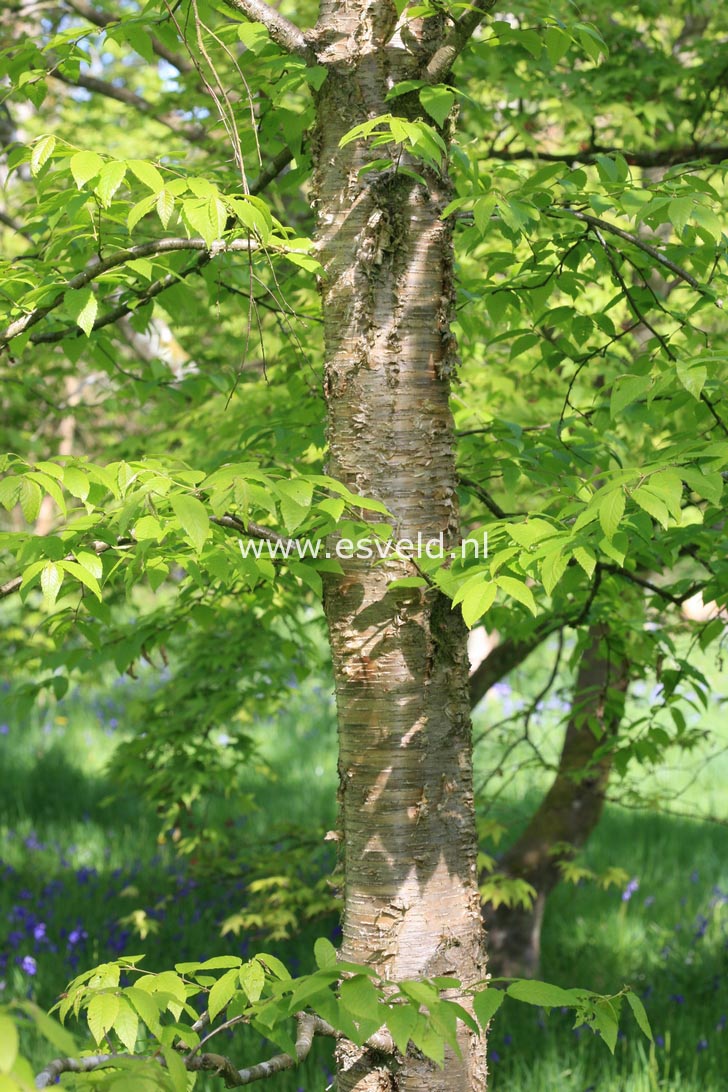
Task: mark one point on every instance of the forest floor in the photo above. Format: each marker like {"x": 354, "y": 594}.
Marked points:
{"x": 75, "y": 869}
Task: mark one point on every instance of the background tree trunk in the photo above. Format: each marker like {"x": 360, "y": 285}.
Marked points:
{"x": 411, "y": 903}
{"x": 570, "y": 810}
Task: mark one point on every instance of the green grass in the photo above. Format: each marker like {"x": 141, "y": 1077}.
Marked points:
{"x": 77, "y": 867}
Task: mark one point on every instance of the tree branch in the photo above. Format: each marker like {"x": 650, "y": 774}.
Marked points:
{"x": 666, "y": 157}
{"x": 102, "y": 19}
{"x": 505, "y": 656}
{"x": 97, "y": 266}
{"x": 283, "y": 32}
{"x": 194, "y": 134}
{"x": 444, "y": 58}
{"x": 308, "y": 1027}
{"x": 653, "y": 252}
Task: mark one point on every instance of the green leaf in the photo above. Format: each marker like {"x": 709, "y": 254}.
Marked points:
{"x": 83, "y": 575}
{"x": 438, "y": 102}
{"x": 83, "y": 307}
{"x": 176, "y": 1069}
{"x": 85, "y": 165}
{"x": 9, "y": 1043}
{"x": 401, "y": 1019}
{"x": 553, "y": 568}
{"x": 557, "y": 42}
{"x": 42, "y": 151}
{"x": 359, "y": 997}
{"x": 626, "y": 389}
{"x": 540, "y": 993}
{"x": 611, "y": 511}
{"x": 222, "y": 993}
{"x": 147, "y": 173}
{"x": 517, "y": 589}
{"x": 30, "y": 499}
{"x": 586, "y": 559}
{"x": 146, "y": 1007}
{"x": 126, "y": 1025}
{"x": 640, "y": 1014}
{"x": 165, "y": 206}
{"x": 651, "y": 504}
{"x": 252, "y": 979}
{"x": 606, "y": 1022}
{"x": 324, "y": 954}
{"x": 76, "y": 482}
{"x": 193, "y": 519}
{"x": 51, "y": 579}
{"x": 478, "y": 599}
{"x": 102, "y": 1012}
{"x": 111, "y": 176}
{"x": 486, "y": 1004}
{"x": 680, "y": 210}
{"x": 692, "y": 377}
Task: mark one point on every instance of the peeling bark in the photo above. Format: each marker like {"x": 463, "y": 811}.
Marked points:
{"x": 400, "y": 663}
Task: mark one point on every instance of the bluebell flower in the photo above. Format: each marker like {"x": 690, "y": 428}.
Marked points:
{"x": 494, "y": 1057}
{"x": 702, "y": 1045}
{"x": 29, "y": 965}
{"x": 630, "y": 889}
{"x": 4, "y": 729}
{"x": 660, "y": 1040}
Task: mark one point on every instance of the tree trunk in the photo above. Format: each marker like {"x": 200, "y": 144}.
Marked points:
{"x": 411, "y": 904}
{"x": 570, "y": 810}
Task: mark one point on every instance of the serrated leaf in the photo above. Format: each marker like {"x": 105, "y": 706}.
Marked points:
{"x": 42, "y": 151}
{"x": 193, "y": 519}
{"x": 91, "y": 562}
{"x": 543, "y": 994}
{"x": 76, "y": 482}
{"x": 651, "y": 504}
{"x": 85, "y": 165}
{"x": 324, "y": 954}
{"x": 438, "y": 102}
{"x": 640, "y": 1013}
{"x": 586, "y": 559}
{"x": 176, "y": 1069}
{"x": 478, "y": 599}
{"x": 401, "y": 1019}
{"x": 126, "y": 1025}
{"x": 111, "y": 176}
{"x": 83, "y": 575}
{"x": 165, "y": 206}
{"x": 626, "y": 389}
{"x": 145, "y": 1006}
{"x": 102, "y": 1012}
{"x": 138, "y": 211}
{"x": 557, "y": 43}
{"x": 9, "y": 1043}
{"x": 552, "y": 569}
{"x": 83, "y": 307}
{"x": 518, "y": 590}
{"x": 606, "y": 1022}
{"x": 30, "y": 497}
{"x": 679, "y": 211}
{"x": 692, "y": 377}
{"x": 222, "y": 993}
{"x": 252, "y": 979}
{"x": 486, "y": 1004}
{"x": 51, "y": 578}
{"x": 611, "y": 511}
{"x": 147, "y": 173}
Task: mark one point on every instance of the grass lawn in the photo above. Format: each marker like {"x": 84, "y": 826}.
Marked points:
{"x": 72, "y": 869}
